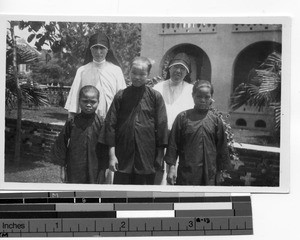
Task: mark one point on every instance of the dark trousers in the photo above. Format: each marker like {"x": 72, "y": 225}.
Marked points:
{"x": 133, "y": 178}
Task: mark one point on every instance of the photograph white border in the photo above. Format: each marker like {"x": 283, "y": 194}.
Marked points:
{"x": 285, "y": 110}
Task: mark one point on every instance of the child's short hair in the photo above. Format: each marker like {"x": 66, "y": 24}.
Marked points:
{"x": 88, "y": 88}
{"x": 142, "y": 60}
{"x": 203, "y": 83}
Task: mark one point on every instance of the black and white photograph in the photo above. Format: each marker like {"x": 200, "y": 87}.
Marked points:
{"x": 243, "y": 56}
{"x": 118, "y": 103}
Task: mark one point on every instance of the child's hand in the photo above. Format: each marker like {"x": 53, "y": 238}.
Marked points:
{"x": 113, "y": 161}
{"x": 113, "y": 164}
{"x": 171, "y": 177}
{"x": 63, "y": 174}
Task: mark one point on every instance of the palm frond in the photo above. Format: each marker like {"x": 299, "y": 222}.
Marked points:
{"x": 264, "y": 85}
{"x": 25, "y": 55}
{"x": 256, "y": 98}
{"x": 277, "y": 114}
{"x": 272, "y": 62}
{"x": 34, "y": 95}
{"x": 271, "y": 87}
{"x": 248, "y": 94}
{"x": 10, "y": 99}
{"x": 239, "y": 97}
{"x": 30, "y": 93}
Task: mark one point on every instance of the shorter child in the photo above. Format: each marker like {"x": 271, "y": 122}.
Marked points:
{"x": 136, "y": 128}
{"x": 77, "y": 148}
{"x": 199, "y": 139}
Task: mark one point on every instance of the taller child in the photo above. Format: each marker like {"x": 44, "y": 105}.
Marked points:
{"x": 136, "y": 129}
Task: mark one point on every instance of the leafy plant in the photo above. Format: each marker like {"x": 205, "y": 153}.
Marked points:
{"x": 233, "y": 154}
{"x": 263, "y": 88}
{"x": 16, "y": 92}
{"x": 68, "y": 42}
{"x": 47, "y": 72}
{"x": 30, "y": 92}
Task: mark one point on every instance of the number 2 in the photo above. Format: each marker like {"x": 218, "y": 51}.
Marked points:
{"x": 123, "y": 224}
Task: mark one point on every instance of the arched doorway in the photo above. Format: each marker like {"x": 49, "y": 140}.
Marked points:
{"x": 248, "y": 59}
{"x": 200, "y": 63}
{"x": 251, "y": 57}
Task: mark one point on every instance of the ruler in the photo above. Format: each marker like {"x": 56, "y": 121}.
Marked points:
{"x": 111, "y": 214}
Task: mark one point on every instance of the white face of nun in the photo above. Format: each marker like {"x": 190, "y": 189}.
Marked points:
{"x": 99, "y": 53}
{"x": 178, "y": 73}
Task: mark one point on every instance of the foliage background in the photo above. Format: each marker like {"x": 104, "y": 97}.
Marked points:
{"x": 67, "y": 42}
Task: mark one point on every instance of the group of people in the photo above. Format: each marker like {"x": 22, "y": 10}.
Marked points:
{"x": 138, "y": 134}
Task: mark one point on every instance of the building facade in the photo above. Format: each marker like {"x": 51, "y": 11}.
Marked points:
{"x": 221, "y": 53}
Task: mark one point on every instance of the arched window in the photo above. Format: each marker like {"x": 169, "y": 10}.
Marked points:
{"x": 200, "y": 62}
{"x": 251, "y": 57}
{"x": 260, "y": 124}
{"x": 241, "y": 122}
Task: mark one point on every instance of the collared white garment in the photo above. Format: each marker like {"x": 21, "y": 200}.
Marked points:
{"x": 177, "y": 98}
{"x": 105, "y": 76}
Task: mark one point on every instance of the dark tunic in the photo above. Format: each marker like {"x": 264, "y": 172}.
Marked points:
{"x": 198, "y": 138}
{"x": 136, "y": 124}
{"x": 77, "y": 149}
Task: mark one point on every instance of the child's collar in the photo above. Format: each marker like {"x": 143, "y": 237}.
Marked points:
{"x": 87, "y": 116}
{"x": 201, "y": 111}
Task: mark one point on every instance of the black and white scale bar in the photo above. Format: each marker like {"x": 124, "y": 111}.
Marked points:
{"x": 111, "y": 197}
{"x": 55, "y": 214}
{"x": 118, "y": 200}
{"x": 189, "y": 225}
{"x": 122, "y": 206}
{"x": 95, "y": 213}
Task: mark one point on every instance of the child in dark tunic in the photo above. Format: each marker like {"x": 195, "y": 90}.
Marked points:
{"x": 199, "y": 139}
{"x": 136, "y": 129}
{"x": 77, "y": 149}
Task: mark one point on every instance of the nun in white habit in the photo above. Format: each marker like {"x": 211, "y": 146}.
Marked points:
{"x": 100, "y": 69}
{"x": 177, "y": 94}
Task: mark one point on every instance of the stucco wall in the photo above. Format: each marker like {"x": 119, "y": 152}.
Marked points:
{"x": 222, "y": 48}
